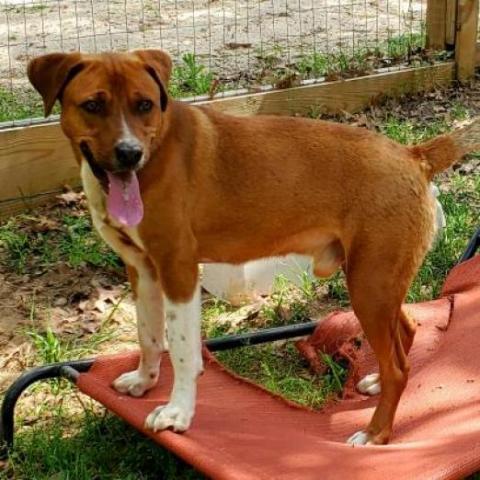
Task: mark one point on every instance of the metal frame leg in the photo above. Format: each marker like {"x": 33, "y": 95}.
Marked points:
{"x": 472, "y": 247}
{"x": 69, "y": 370}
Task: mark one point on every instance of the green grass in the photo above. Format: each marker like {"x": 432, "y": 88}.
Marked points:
{"x": 409, "y": 132}
{"x": 50, "y": 347}
{"x": 313, "y": 65}
{"x": 400, "y": 46}
{"x": 81, "y": 244}
{"x": 280, "y": 369}
{"x": 211, "y": 311}
{"x": 278, "y": 366}
{"x": 74, "y": 242}
{"x": 337, "y": 290}
{"x": 282, "y": 299}
{"x": 334, "y": 64}
{"x": 17, "y": 247}
{"x": 92, "y": 447}
{"x": 363, "y": 60}
{"x": 47, "y": 345}
{"x": 190, "y": 77}
{"x": 25, "y": 9}
{"x": 18, "y": 105}
{"x": 316, "y": 64}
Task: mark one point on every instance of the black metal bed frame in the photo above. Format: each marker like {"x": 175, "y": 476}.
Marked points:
{"x": 72, "y": 369}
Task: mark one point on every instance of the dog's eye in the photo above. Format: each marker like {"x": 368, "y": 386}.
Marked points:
{"x": 92, "y": 106}
{"x": 144, "y": 106}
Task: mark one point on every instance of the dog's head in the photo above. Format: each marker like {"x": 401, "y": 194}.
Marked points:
{"x": 113, "y": 108}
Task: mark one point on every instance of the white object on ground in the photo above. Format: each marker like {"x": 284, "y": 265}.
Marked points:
{"x": 238, "y": 284}
{"x": 440, "y": 220}
{"x": 370, "y": 384}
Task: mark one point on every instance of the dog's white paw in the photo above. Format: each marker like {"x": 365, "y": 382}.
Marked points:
{"x": 370, "y": 384}
{"x": 134, "y": 384}
{"x": 359, "y": 438}
{"x": 171, "y": 415}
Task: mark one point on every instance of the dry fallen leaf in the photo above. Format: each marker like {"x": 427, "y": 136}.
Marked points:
{"x": 235, "y": 45}
{"x": 242, "y": 315}
{"x": 60, "y": 302}
{"x": 83, "y": 305}
{"x": 90, "y": 326}
{"x": 44, "y": 224}
{"x": 70, "y": 197}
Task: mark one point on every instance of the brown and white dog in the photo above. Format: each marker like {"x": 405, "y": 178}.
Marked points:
{"x": 170, "y": 185}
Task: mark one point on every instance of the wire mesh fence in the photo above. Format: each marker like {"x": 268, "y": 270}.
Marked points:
{"x": 217, "y": 45}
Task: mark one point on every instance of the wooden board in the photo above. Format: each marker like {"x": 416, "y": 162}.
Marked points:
{"x": 36, "y": 161}
{"x": 450, "y": 23}
{"x": 33, "y": 161}
{"x": 436, "y": 24}
{"x": 466, "y": 41}
{"x": 347, "y": 95}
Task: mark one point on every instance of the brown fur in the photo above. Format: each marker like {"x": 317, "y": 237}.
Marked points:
{"x": 232, "y": 189}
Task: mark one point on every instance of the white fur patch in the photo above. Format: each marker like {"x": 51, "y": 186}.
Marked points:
{"x": 370, "y": 384}
{"x": 359, "y": 438}
{"x": 128, "y": 137}
{"x": 440, "y": 219}
{"x": 183, "y": 327}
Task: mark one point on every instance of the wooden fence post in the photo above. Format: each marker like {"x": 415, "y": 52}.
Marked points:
{"x": 466, "y": 39}
{"x": 436, "y": 24}
{"x": 450, "y": 24}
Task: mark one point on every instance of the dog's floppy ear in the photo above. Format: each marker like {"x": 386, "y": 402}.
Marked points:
{"x": 50, "y": 74}
{"x": 159, "y": 66}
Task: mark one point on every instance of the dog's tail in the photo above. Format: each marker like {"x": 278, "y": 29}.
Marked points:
{"x": 439, "y": 153}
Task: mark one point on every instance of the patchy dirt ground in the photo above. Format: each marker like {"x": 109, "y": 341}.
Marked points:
{"x": 55, "y": 276}
{"x": 227, "y": 35}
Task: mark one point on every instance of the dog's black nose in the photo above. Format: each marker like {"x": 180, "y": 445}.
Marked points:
{"x": 128, "y": 155}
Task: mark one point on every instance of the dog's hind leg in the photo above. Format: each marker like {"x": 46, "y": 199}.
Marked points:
{"x": 370, "y": 384}
{"x": 151, "y": 332}
{"x": 378, "y": 281}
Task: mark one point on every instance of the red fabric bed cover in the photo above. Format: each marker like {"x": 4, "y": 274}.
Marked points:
{"x": 242, "y": 432}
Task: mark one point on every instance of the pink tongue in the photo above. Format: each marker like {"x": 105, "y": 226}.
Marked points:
{"x": 124, "y": 202}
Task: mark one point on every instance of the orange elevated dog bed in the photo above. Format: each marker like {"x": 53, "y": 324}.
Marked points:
{"x": 242, "y": 432}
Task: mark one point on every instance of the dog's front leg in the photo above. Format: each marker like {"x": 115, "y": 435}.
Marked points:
{"x": 151, "y": 332}
{"x": 183, "y": 331}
